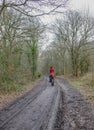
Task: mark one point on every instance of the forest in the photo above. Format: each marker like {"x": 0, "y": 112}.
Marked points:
{"x": 22, "y": 32}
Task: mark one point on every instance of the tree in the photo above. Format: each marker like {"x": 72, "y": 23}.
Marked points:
{"x": 75, "y": 32}
{"x": 29, "y": 7}
{"x": 32, "y": 31}
{"x": 9, "y": 37}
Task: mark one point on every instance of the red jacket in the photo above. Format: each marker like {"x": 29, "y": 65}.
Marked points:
{"x": 51, "y": 70}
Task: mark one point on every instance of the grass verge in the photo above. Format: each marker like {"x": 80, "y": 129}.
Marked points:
{"x": 86, "y": 86}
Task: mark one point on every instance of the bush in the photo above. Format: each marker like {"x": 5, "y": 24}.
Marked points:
{"x": 39, "y": 74}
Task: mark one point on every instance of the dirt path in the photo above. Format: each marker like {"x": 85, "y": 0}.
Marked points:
{"x": 48, "y": 108}
{"x": 77, "y": 113}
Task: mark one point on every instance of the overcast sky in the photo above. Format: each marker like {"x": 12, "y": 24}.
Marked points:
{"x": 83, "y": 5}
{"x": 80, "y": 5}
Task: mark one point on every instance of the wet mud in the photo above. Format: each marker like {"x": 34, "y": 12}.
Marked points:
{"x": 46, "y": 107}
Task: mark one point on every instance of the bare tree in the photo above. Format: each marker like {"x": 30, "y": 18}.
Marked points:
{"x": 9, "y": 39}
{"x": 33, "y": 7}
{"x": 76, "y": 33}
{"x": 32, "y": 34}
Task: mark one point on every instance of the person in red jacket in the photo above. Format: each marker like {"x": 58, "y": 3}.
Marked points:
{"x": 51, "y": 73}
{"x": 51, "y": 70}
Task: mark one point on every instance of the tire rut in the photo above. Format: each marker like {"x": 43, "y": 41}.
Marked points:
{"x": 33, "y": 113}
{"x": 60, "y": 107}
{"x": 75, "y": 112}
{"x": 15, "y": 108}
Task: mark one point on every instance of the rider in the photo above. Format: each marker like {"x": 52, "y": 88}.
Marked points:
{"x": 51, "y": 73}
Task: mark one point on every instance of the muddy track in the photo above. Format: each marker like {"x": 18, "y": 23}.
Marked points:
{"x": 18, "y": 105}
{"x": 48, "y": 108}
{"x": 32, "y": 111}
{"x": 74, "y": 112}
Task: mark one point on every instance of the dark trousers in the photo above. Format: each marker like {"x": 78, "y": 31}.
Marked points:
{"x": 50, "y": 78}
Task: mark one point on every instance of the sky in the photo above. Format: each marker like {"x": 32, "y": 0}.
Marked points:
{"x": 79, "y": 5}
{"x": 83, "y": 5}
